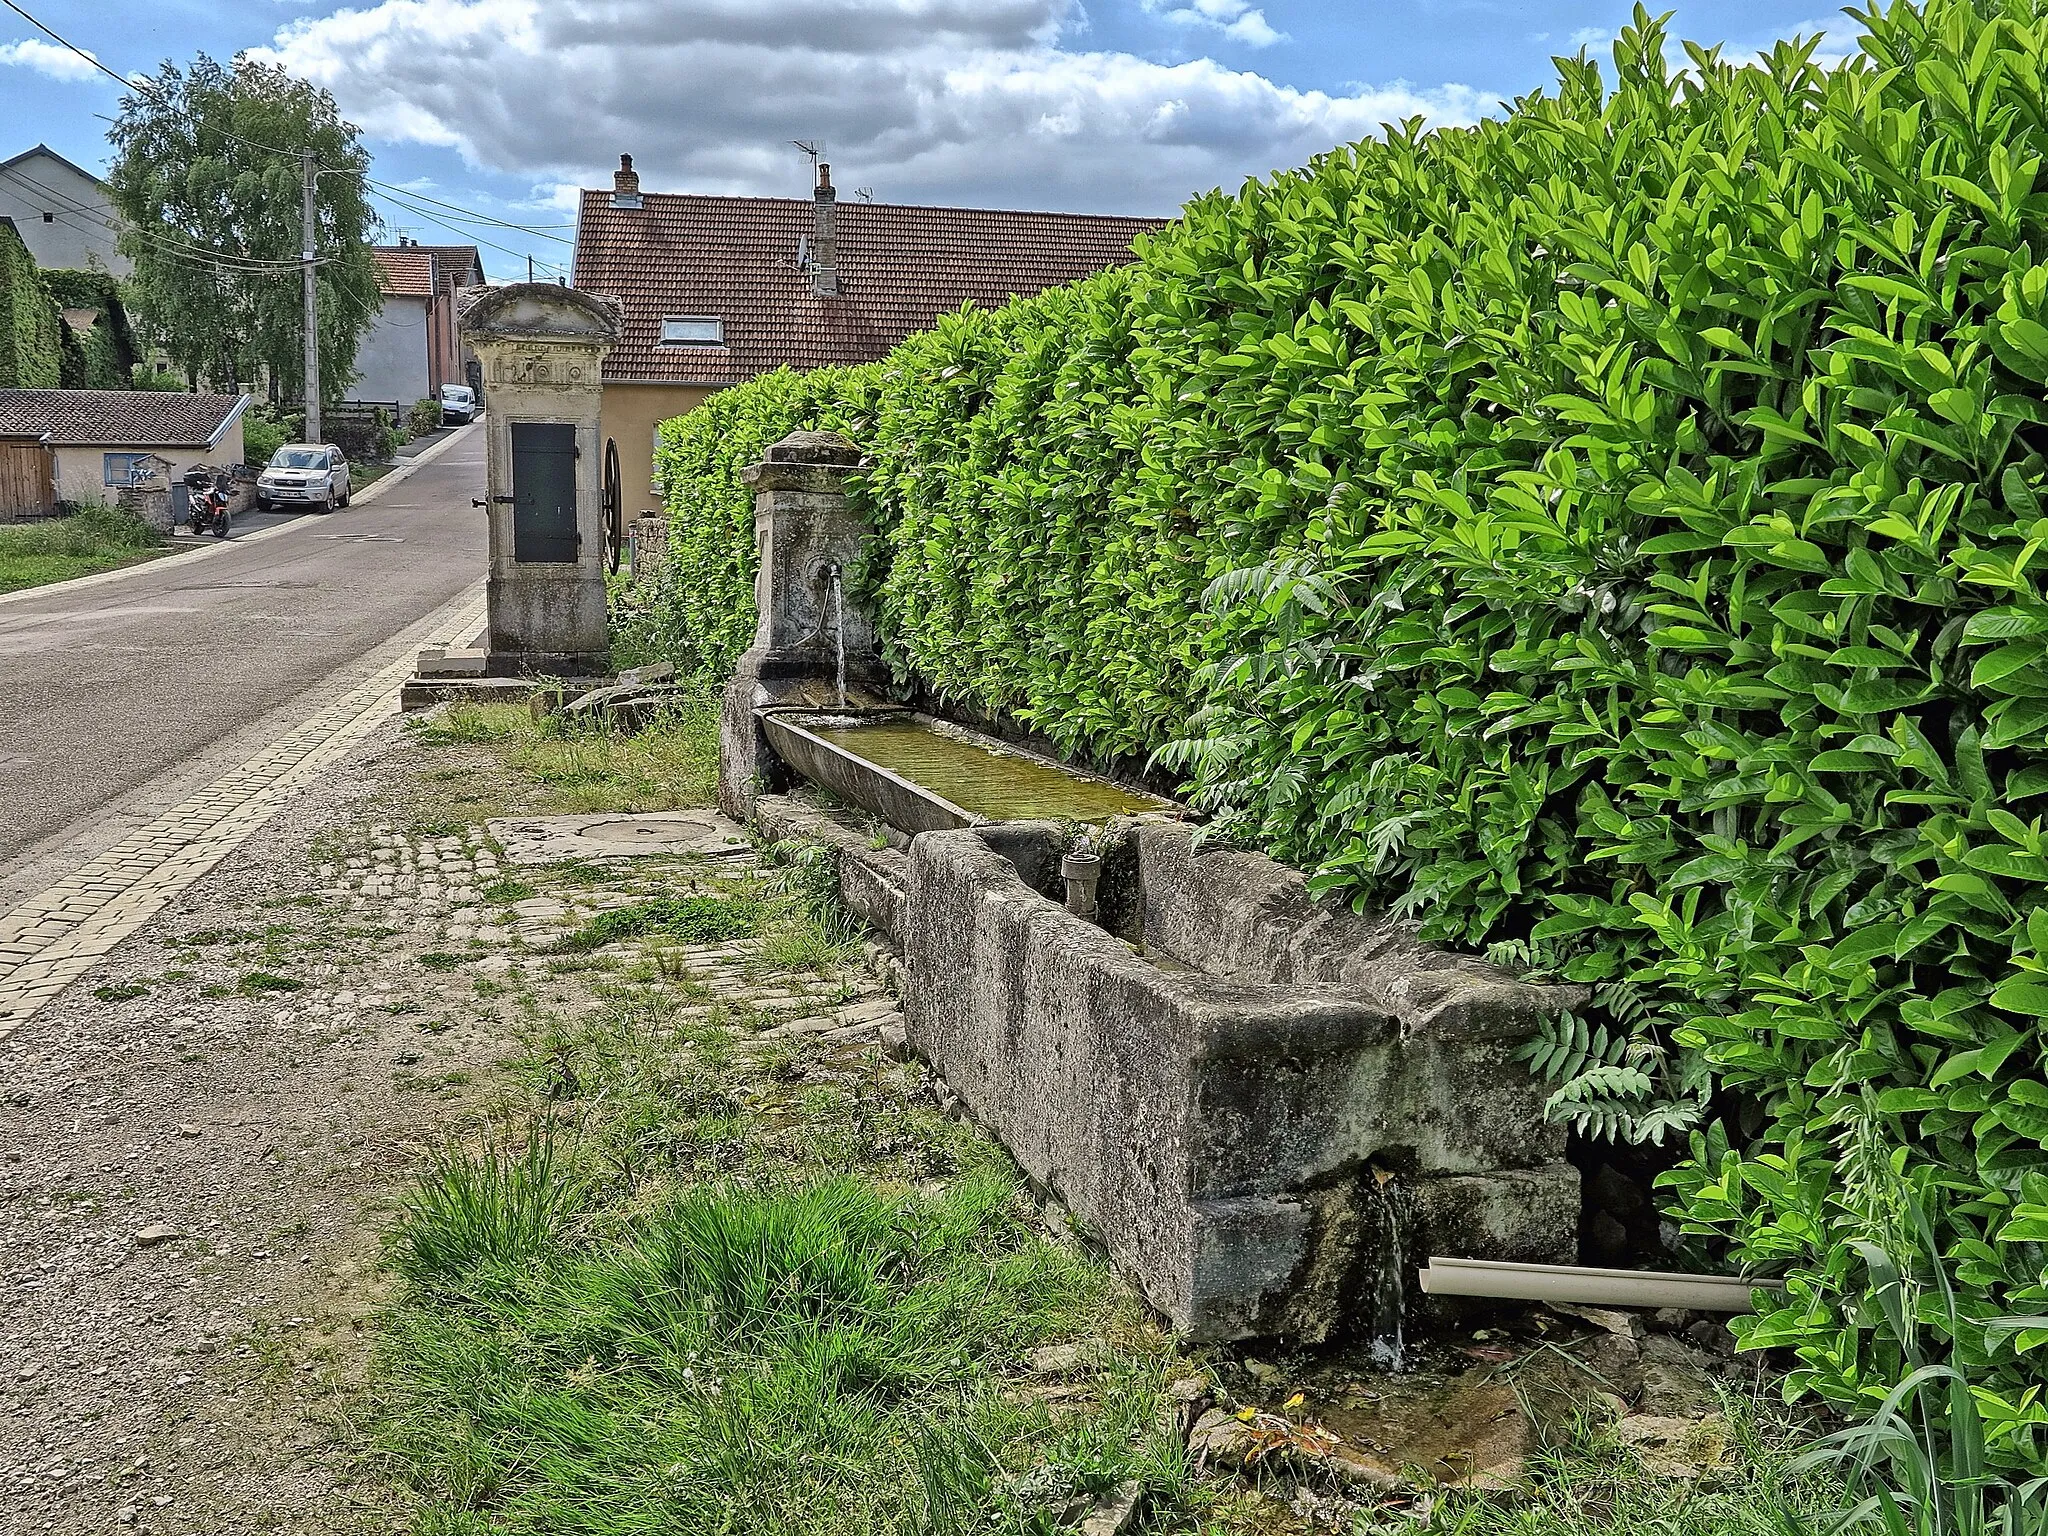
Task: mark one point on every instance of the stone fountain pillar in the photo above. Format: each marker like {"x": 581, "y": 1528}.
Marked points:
{"x": 542, "y": 347}
{"x": 809, "y": 634}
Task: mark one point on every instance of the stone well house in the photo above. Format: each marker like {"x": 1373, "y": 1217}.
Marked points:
{"x": 719, "y": 289}
{"x": 61, "y": 211}
{"x": 104, "y": 439}
{"x": 412, "y": 349}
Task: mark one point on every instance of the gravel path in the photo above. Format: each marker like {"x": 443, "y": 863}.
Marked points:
{"x": 191, "y": 1184}
{"x": 202, "y": 1140}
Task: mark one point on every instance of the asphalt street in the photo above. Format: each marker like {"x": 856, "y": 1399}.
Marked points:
{"x": 107, "y": 685}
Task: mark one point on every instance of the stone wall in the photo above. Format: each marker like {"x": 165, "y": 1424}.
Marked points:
{"x": 647, "y": 548}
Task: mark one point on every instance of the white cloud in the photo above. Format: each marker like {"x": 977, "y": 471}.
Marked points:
{"x": 1838, "y": 37}
{"x": 47, "y": 59}
{"x": 981, "y": 102}
{"x": 1238, "y": 20}
{"x": 1592, "y": 37}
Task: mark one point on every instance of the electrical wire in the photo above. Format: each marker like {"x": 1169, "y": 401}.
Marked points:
{"x": 391, "y": 192}
{"x": 444, "y": 223}
{"x": 162, "y": 240}
{"x": 471, "y": 214}
{"x": 66, "y": 42}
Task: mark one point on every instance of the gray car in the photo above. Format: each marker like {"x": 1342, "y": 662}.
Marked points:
{"x": 311, "y": 475}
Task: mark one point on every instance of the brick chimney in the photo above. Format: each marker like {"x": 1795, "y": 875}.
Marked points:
{"x": 825, "y": 236}
{"x": 625, "y": 184}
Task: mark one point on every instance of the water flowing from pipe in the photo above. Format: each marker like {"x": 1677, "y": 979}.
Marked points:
{"x": 1386, "y": 1292}
{"x": 839, "y": 634}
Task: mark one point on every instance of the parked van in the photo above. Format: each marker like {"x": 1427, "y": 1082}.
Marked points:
{"x": 458, "y": 404}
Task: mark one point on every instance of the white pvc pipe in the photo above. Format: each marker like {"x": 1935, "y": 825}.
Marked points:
{"x": 1590, "y": 1287}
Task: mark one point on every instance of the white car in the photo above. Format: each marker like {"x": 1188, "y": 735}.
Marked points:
{"x": 458, "y": 404}
{"x": 304, "y": 474}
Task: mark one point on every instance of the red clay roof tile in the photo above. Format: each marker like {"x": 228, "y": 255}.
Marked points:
{"x": 736, "y": 258}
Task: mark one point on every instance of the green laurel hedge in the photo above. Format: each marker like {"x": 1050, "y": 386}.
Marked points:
{"x": 1613, "y": 535}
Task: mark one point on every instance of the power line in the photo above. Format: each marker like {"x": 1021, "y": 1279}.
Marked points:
{"x": 148, "y": 87}
{"x": 165, "y": 242}
{"x": 390, "y": 191}
{"x": 66, "y": 42}
{"x": 469, "y": 213}
{"x": 445, "y": 223}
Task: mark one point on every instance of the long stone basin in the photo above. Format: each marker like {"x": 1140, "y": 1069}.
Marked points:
{"x": 921, "y": 774}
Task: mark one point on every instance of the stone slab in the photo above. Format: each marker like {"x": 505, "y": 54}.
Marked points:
{"x": 563, "y": 839}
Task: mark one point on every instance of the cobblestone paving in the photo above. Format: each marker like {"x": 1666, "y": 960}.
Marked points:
{"x": 50, "y": 940}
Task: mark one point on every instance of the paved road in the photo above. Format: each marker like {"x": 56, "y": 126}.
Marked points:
{"x": 109, "y": 685}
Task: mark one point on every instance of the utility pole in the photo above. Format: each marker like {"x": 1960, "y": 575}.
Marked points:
{"x": 312, "y": 280}
{"x": 529, "y": 266}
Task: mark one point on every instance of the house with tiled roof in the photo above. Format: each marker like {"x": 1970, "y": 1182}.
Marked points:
{"x": 84, "y": 445}
{"x": 719, "y": 289}
{"x": 412, "y": 349}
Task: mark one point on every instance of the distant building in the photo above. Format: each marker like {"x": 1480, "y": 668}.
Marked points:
{"x": 412, "y": 349}
{"x": 61, "y": 211}
{"x": 100, "y": 440}
{"x": 719, "y": 289}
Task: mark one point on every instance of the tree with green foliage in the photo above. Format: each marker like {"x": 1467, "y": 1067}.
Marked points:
{"x": 208, "y": 183}
{"x": 1609, "y": 535}
{"x": 31, "y": 328}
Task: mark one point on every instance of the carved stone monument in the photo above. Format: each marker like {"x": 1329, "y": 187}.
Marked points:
{"x": 813, "y": 646}
{"x": 541, "y": 347}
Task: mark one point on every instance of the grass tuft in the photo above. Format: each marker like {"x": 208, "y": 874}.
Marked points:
{"x": 684, "y": 919}
{"x": 672, "y": 764}
{"x": 471, "y": 1211}
{"x": 256, "y": 983}
{"x": 780, "y": 1357}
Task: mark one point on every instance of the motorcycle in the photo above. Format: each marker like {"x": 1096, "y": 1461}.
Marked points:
{"x": 209, "y": 493}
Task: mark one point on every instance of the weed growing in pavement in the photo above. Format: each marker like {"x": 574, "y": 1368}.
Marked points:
{"x": 120, "y": 992}
{"x": 438, "y": 960}
{"x": 209, "y": 936}
{"x": 684, "y": 919}
{"x": 506, "y": 891}
{"x": 255, "y": 983}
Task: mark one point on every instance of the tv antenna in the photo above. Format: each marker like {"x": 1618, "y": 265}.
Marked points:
{"x": 865, "y": 194}
{"x": 815, "y": 148}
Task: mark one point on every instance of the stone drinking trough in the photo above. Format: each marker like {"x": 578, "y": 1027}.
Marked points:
{"x": 1268, "y": 1110}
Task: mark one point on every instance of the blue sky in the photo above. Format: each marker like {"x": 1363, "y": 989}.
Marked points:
{"x": 505, "y": 106}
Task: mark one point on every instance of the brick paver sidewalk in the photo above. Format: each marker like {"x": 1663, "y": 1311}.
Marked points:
{"x": 52, "y": 939}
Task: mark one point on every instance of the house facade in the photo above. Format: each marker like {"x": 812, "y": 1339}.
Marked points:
{"x": 104, "y": 439}
{"x": 62, "y": 212}
{"x": 719, "y": 289}
{"x": 412, "y": 349}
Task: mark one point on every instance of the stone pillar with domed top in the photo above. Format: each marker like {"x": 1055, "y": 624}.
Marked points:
{"x": 542, "y": 348}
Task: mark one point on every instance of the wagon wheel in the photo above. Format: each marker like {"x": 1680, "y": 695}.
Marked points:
{"x": 614, "y": 511}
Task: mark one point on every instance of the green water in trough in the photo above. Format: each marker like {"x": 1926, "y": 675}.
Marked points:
{"x": 1002, "y": 786}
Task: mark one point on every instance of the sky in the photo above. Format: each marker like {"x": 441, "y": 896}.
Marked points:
{"x": 505, "y": 107}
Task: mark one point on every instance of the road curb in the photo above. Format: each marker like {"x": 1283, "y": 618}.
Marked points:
{"x": 222, "y": 546}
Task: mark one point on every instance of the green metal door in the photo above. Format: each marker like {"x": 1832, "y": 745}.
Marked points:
{"x": 544, "y": 493}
